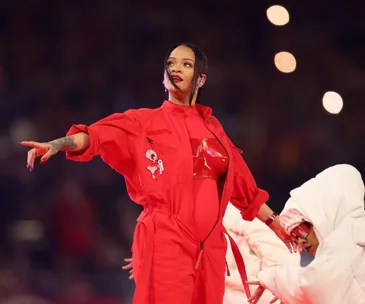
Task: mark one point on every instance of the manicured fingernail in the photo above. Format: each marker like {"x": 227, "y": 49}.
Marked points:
{"x": 42, "y": 161}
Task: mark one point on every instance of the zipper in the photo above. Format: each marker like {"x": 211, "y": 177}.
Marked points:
{"x": 199, "y": 260}
{"x": 201, "y": 244}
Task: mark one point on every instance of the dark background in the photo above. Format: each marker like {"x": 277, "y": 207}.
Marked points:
{"x": 65, "y": 227}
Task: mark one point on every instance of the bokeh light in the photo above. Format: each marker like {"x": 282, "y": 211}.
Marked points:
{"x": 332, "y": 102}
{"x": 278, "y": 15}
{"x": 285, "y": 62}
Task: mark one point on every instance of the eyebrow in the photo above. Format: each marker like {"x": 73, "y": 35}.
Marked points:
{"x": 183, "y": 59}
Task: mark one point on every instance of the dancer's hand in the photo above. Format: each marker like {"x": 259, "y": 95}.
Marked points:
{"x": 258, "y": 292}
{"x": 129, "y": 266}
{"x": 44, "y": 149}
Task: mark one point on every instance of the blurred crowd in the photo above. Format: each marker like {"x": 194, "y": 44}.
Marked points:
{"x": 66, "y": 227}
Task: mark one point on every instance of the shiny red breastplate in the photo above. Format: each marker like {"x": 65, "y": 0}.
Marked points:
{"x": 210, "y": 159}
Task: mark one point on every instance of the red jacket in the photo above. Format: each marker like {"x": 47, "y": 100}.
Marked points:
{"x": 123, "y": 139}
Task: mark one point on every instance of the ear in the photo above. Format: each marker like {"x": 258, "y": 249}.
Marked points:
{"x": 201, "y": 80}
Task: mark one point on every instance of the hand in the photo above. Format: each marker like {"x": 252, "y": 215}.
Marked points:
{"x": 288, "y": 240}
{"x": 129, "y": 266}
{"x": 264, "y": 214}
{"x": 47, "y": 149}
{"x": 258, "y": 293}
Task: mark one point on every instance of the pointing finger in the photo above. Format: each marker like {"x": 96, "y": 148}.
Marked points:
{"x": 33, "y": 144}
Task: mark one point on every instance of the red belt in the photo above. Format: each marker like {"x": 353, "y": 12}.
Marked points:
{"x": 240, "y": 264}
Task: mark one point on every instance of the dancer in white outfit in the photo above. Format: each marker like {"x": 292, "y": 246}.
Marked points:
{"x": 327, "y": 216}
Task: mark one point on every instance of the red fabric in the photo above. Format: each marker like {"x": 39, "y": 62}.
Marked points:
{"x": 206, "y": 207}
{"x": 166, "y": 242}
{"x": 210, "y": 160}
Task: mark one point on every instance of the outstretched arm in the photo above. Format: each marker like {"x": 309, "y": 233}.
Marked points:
{"x": 77, "y": 143}
{"x": 326, "y": 278}
{"x": 110, "y": 138}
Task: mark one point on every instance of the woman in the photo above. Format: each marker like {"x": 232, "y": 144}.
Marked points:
{"x": 181, "y": 166}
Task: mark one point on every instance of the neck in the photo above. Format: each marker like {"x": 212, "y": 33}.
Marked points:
{"x": 182, "y": 100}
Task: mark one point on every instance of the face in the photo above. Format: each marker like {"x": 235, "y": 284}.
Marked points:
{"x": 306, "y": 238}
{"x": 181, "y": 63}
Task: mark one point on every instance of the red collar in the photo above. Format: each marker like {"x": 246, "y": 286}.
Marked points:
{"x": 181, "y": 110}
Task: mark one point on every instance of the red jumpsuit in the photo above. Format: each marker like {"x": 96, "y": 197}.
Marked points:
{"x": 177, "y": 257}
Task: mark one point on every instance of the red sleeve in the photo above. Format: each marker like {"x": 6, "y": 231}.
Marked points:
{"x": 246, "y": 196}
{"x": 110, "y": 138}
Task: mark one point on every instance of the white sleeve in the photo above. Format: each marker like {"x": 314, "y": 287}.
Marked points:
{"x": 265, "y": 243}
{"x": 323, "y": 279}
{"x": 284, "y": 282}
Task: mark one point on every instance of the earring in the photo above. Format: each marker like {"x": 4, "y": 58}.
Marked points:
{"x": 165, "y": 90}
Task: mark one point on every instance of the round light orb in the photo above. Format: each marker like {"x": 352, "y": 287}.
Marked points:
{"x": 278, "y": 15}
{"x": 332, "y": 102}
{"x": 285, "y": 62}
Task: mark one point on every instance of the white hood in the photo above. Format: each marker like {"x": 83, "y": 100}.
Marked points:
{"x": 324, "y": 201}
{"x": 333, "y": 202}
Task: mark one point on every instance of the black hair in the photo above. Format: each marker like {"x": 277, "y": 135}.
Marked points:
{"x": 200, "y": 68}
{"x": 308, "y": 224}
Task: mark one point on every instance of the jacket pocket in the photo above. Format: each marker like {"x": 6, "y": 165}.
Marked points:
{"x": 162, "y": 138}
